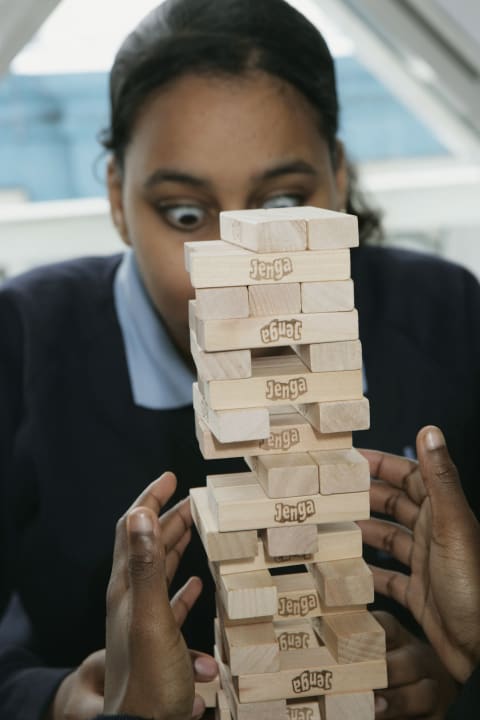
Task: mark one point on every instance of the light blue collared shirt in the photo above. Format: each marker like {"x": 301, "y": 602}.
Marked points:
{"x": 159, "y": 378}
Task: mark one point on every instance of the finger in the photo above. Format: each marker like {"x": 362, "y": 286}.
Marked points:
{"x": 204, "y": 667}
{"x": 400, "y": 472}
{"x": 448, "y": 502}
{"x": 388, "y": 536}
{"x": 157, "y": 494}
{"x": 176, "y": 522}
{"x": 391, "y": 501}
{"x": 396, "y": 635}
{"x": 410, "y": 701}
{"x": 198, "y": 707}
{"x": 391, "y": 584}
{"x": 174, "y": 556}
{"x": 406, "y": 664}
{"x": 94, "y": 667}
{"x": 185, "y": 599}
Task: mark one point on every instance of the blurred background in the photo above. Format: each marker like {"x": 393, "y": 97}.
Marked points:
{"x": 409, "y": 82}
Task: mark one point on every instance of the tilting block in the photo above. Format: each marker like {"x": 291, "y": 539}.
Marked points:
{"x": 342, "y": 471}
{"x": 280, "y": 381}
{"x": 222, "y": 303}
{"x": 266, "y": 710}
{"x": 298, "y": 598}
{"x": 331, "y": 356}
{"x": 335, "y": 541}
{"x": 343, "y": 582}
{"x": 351, "y": 706}
{"x": 327, "y": 297}
{"x": 317, "y": 675}
{"x": 284, "y": 434}
{"x": 219, "y": 546}
{"x": 246, "y": 507}
{"x": 338, "y": 416}
{"x": 230, "y": 426}
{"x": 277, "y": 331}
{"x": 218, "y": 264}
{"x": 286, "y": 475}
{"x": 264, "y": 231}
{"x": 222, "y": 711}
{"x": 226, "y": 365}
{"x": 248, "y": 595}
{"x": 252, "y": 648}
{"x": 294, "y": 540}
{"x": 275, "y": 299}
{"x": 303, "y": 710}
{"x": 352, "y": 637}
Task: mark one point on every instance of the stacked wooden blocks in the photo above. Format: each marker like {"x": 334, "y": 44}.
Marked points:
{"x": 274, "y": 336}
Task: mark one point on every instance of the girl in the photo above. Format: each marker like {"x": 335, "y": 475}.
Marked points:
{"x": 214, "y": 106}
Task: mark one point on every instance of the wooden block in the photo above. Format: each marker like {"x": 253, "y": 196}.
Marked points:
{"x": 248, "y": 508}
{"x": 250, "y": 594}
{"x": 222, "y": 711}
{"x": 208, "y": 691}
{"x": 303, "y": 710}
{"x": 275, "y": 299}
{"x": 327, "y": 297}
{"x": 225, "y": 365}
{"x": 351, "y": 706}
{"x": 341, "y": 416}
{"x": 232, "y": 425}
{"x": 214, "y": 266}
{"x": 283, "y": 436}
{"x": 266, "y": 710}
{"x": 295, "y": 636}
{"x": 264, "y": 230}
{"x": 318, "y": 675}
{"x": 294, "y": 540}
{"x": 286, "y": 475}
{"x": 219, "y": 546}
{"x": 328, "y": 229}
{"x": 298, "y": 598}
{"x": 335, "y": 541}
{"x": 342, "y": 471}
{"x": 221, "y": 303}
{"x": 252, "y": 648}
{"x": 281, "y": 382}
{"x": 326, "y": 357}
{"x": 276, "y": 331}
{"x": 343, "y": 582}
{"x": 352, "y": 637}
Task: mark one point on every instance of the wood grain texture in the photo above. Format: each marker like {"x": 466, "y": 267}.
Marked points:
{"x": 226, "y": 365}
{"x": 231, "y": 426}
{"x": 331, "y": 356}
{"x": 252, "y": 648}
{"x": 342, "y": 471}
{"x": 264, "y": 230}
{"x": 350, "y": 706}
{"x": 327, "y": 297}
{"x": 294, "y": 540}
{"x": 298, "y": 598}
{"x": 343, "y": 582}
{"x": 222, "y": 303}
{"x": 281, "y": 299}
{"x": 286, "y": 475}
{"x": 352, "y": 637}
{"x": 248, "y": 595}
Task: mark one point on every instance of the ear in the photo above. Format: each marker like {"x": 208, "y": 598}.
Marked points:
{"x": 115, "y": 197}
{"x": 341, "y": 176}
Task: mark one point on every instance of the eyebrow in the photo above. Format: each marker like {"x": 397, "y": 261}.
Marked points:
{"x": 288, "y": 168}
{"x": 167, "y": 175}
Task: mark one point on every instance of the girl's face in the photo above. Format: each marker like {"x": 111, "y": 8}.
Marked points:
{"x": 204, "y": 145}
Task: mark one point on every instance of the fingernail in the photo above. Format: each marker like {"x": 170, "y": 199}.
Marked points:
{"x": 198, "y": 707}
{"x": 380, "y": 704}
{"x": 205, "y": 666}
{"x": 434, "y": 438}
{"x": 140, "y": 522}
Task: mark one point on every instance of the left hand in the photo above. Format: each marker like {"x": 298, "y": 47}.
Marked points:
{"x": 418, "y": 684}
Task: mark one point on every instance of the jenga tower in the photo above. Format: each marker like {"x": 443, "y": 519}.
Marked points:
{"x": 290, "y": 644}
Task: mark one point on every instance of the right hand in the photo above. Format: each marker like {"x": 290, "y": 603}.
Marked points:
{"x": 81, "y": 694}
{"x": 438, "y": 538}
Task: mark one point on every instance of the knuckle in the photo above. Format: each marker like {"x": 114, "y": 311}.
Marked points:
{"x": 141, "y": 566}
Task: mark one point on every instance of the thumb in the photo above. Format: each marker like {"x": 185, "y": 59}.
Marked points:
{"x": 441, "y": 480}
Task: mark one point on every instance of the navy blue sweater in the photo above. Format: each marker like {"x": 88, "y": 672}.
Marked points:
{"x": 75, "y": 451}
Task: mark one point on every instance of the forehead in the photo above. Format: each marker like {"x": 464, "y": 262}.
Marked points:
{"x": 210, "y": 124}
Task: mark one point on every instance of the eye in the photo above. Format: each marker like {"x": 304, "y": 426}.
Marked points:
{"x": 281, "y": 201}
{"x": 183, "y": 217}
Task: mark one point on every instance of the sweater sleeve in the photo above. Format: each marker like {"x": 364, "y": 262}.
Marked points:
{"x": 26, "y": 684}
{"x": 467, "y": 705}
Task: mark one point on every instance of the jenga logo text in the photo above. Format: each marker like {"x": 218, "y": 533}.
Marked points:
{"x": 283, "y": 440}
{"x": 293, "y": 641}
{"x": 301, "y": 606}
{"x": 299, "y": 512}
{"x": 281, "y": 330}
{"x": 290, "y": 390}
{"x": 309, "y": 679}
{"x": 299, "y": 713}
{"x": 276, "y": 270}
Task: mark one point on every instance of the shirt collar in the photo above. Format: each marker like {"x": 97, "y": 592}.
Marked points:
{"x": 159, "y": 378}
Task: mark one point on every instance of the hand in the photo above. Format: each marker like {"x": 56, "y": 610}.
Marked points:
{"x": 438, "y": 538}
{"x": 80, "y": 696}
{"x": 418, "y": 684}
